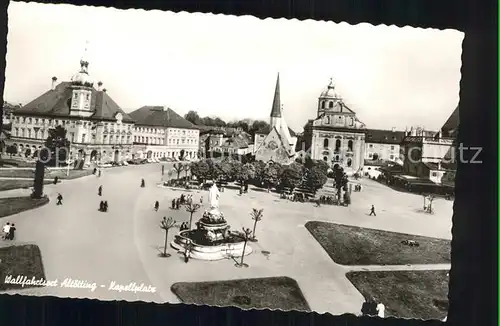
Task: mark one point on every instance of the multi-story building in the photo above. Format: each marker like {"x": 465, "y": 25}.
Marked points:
{"x": 335, "y": 136}
{"x": 428, "y": 155}
{"x": 161, "y": 132}
{"x": 96, "y": 126}
{"x": 383, "y": 145}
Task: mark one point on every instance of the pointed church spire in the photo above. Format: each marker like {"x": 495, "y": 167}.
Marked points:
{"x": 276, "y": 109}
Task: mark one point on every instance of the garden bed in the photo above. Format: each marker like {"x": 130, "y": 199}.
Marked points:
{"x": 352, "y": 245}
{"x": 13, "y": 205}
{"x": 9, "y": 184}
{"x": 259, "y": 293}
{"x": 25, "y": 260}
{"x": 405, "y": 294}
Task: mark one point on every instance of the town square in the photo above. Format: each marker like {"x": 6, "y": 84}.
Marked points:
{"x": 206, "y": 170}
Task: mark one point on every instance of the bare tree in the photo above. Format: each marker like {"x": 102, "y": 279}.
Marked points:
{"x": 430, "y": 199}
{"x": 257, "y": 215}
{"x": 246, "y": 236}
{"x": 166, "y": 224}
{"x": 191, "y": 209}
{"x": 178, "y": 168}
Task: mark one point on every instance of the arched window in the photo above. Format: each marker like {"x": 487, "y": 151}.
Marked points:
{"x": 322, "y": 104}
{"x": 349, "y": 162}
{"x": 325, "y": 159}
{"x": 337, "y": 145}
{"x": 349, "y": 145}
{"x": 328, "y": 120}
{"x": 330, "y": 104}
{"x": 325, "y": 143}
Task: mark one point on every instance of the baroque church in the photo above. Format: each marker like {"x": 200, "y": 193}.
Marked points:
{"x": 278, "y": 142}
{"x": 335, "y": 136}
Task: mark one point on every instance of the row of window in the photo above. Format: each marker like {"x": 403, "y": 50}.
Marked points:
{"x": 161, "y": 141}
{"x": 338, "y": 144}
{"x": 371, "y": 146}
{"x": 161, "y": 131}
{"x": 66, "y": 123}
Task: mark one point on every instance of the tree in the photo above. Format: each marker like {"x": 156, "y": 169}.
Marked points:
{"x": 191, "y": 209}
{"x": 186, "y": 168}
{"x": 245, "y": 236}
{"x": 244, "y": 173}
{"x": 178, "y": 168}
{"x": 257, "y": 215}
{"x": 316, "y": 177}
{"x": 340, "y": 178}
{"x": 201, "y": 170}
{"x": 271, "y": 175}
{"x": 166, "y": 224}
{"x": 38, "y": 180}
{"x": 193, "y": 117}
{"x": 258, "y": 125}
{"x": 3, "y": 136}
{"x": 56, "y": 146}
{"x": 291, "y": 175}
{"x": 430, "y": 198}
{"x": 223, "y": 169}
{"x": 11, "y": 150}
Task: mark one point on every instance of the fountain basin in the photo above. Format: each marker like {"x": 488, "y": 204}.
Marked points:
{"x": 222, "y": 249}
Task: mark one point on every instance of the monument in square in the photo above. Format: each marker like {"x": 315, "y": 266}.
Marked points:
{"x": 212, "y": 239}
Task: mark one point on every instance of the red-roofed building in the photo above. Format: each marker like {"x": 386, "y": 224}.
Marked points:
{"x": 98, "y": 129}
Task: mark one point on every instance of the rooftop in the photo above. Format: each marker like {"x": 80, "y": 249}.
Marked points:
{"x": 158, "y": 116}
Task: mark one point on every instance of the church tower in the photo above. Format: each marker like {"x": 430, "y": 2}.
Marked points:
{"x": 82, "y": 86}
{"x": 275, "y": 120}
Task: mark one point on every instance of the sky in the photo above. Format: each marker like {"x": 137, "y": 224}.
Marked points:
{"x": 227, "y": 66}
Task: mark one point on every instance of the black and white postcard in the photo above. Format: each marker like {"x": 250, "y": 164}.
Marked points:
{"x": 228, "y": 161}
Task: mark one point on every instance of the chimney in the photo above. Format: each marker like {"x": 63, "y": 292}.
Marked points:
{"x": 99, "y": 86}
{"x": 54, "y": 81}
{"x": 393, "y": 129}
{"x": 413, "y": 132}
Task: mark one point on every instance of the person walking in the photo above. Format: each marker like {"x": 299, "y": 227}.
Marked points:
{"x": 157, "y": 206}
{"x": 173, "y": 203}
{"x": 59, "y": 199}
{"x": 6, "y": 230}
{"x": 99, "y": 191}
{"x": 143, "y": 183}
{"x": 99, "y": 175}
{"x": 201, "y": 200}
{"x": 101, "y": 206}
{"x": 105, "y": 206}
{"x": 12, "y": 232}
{"x": 372, "y": 211}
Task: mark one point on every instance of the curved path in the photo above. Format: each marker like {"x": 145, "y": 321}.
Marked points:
{"x": 79, "y": 242}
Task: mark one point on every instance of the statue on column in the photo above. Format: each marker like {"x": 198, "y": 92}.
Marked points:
{"x": 213, "y": 197}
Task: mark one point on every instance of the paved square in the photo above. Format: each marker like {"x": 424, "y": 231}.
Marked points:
{"x": 122, "y": 245}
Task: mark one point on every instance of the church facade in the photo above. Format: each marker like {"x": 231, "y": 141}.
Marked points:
{"x": 335, "y": 136}
{"x": 277, "y": 143}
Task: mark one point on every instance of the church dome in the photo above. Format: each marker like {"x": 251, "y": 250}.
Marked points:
{"x": 329, "y": 92}
{"x": 82, "y": 77}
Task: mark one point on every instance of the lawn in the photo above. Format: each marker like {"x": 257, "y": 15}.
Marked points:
{"x": 406, "y": 294}
{"x": 49, "y": 174}
{"x": 259, "y": 293}
{"x": 352, "y": 245}
{"x": 6, "y": 184}
{"x": 5, "y": 161}
{"x": 25, "y": 260}
{"x": 14, "y": 205}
